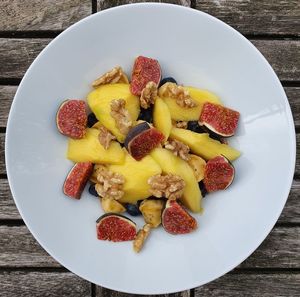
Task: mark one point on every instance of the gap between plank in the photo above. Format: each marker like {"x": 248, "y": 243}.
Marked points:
{"x": 94, "y": 6}
{"x": 29, "y": 34}
{"x": 33, "y": 269}
{"x": 12, "y": 223}
{"x": 93, "y": 290}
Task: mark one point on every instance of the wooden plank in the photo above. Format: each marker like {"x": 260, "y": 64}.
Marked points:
{"x": 7, "y": 94}
{"x": 46, "y": 15}
{"x": 104, "y": 4}
{"x": 252, "y": 285}
{"x": 293, "y": 95}
{"x": 36, "y": 284}
{"x": 256, "y": 16}
{"x": 16, "y": 55}
{"x": 2, "y": 158}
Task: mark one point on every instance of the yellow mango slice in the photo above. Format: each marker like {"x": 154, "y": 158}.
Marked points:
{"x": 89, "y": 149}
{"x": 169, "y": 163}
{"x": 99, "y": 102}
{"x": 136, "y": 175}
{"x": 204, "y": 146}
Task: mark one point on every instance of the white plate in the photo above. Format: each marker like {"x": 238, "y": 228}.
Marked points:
{"x": 197, "y": 50}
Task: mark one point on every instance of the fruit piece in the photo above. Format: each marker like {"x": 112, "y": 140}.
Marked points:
{"x": 146, "y": 114}
{"x": 203, "y": 145}
{"x": 198, "y": 165}
{"x": 92, "y": 190}
{"x": 71, "y": 118}
{"x": 195, "y": 127}
{"x": 136, "y": 130}
{"x": 132, "y": 209}
{"x": 136, "y": 175}
{"x": 219, "y": 119}
{"x": 91, "y": 120}
{"x": 142, "y": 144}
{"x": 90, "y": 149}
{"x": 77, "y": 179}
{"x": 167, "y": 79}
{"x": 176, "y": 220}
{"x": 218, "y": 174}
{"x": 162, "y": 117}
{"x": 111, "y": 205}
{"x": 144, "y": 70}
{"x": 179, "y": 113}
{"x": 115, "y": 227}
{"x": 141, "y": 237}
{"x": 175, "y": 165}
{"x": 99, "y": 102}
{"x": 151, "y": 210}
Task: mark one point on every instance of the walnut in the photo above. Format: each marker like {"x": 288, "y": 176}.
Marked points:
{"x": 180, "y": 124}
{"x": 181, "y": 95}
{"x": 170, "y": 186}
{"x": 178, "y": 148}
{"x": 121, "y": 115}
{"x": 105, "y": 137}
{"x": 109, "y": 184}
{"x": 148, "y": 95}
{"x": 115, "y": 75}
{"x": 141, "y": 237}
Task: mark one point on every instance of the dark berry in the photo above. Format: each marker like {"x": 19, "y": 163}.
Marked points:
{"x": 132, "y": 209}
{"x": 92, "y": 190}
{"x": 167, "y": 79}
{"x": 202, "y": 188}
{"x": 92, "y": 120}
{"x": 146, "y": 114}
{"x": 195, "y": 127}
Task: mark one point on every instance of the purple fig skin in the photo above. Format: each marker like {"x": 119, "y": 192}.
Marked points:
{"x": 138, "y": 129}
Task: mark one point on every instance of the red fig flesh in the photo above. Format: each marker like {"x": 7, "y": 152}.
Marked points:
{"x": 136, "y": 130}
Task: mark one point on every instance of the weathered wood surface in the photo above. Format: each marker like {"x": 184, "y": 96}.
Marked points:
{"x": 293, "y": 95}
{"x": 16, "y": 55}
{"x": 252, "y": 285}
{"x": 104, "y": 4}
{"x": 48, "y": 284}
{"x": 18, "y": 248}
{"x": 256, "y": 16}
{"x": 35, "y": 15}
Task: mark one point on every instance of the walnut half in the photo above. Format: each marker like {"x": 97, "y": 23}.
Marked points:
{"x": 121, "y": 115}
{"x": 148, "y": 95}
{"x": 178, "y": 148}
{"x": 115, "y": 75}
{"x": 105, "y": 137}
{"x": 141, "y": 237}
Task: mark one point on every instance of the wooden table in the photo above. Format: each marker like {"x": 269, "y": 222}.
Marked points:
{"x": 26, "y": 27}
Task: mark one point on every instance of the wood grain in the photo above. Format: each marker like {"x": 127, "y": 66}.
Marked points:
{"x": 2, "y": 158}
{"x": 256, "y": 16}
{"x": 7, "y": 94}
{"x": 16, "y": 55}
{"x": 293, "y": 95}
{"x": 33, "y": 15}
{"x": 48, "y": 284}
{"x": 104, "y": 4}
{"x": 252, "y": 285}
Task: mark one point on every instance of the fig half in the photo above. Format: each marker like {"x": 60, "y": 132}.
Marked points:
{"x": 218, "y": 174}
{"x": 136, "y": 130}
{"x": 115, "y": 227}
{"x": 219, "y": 120}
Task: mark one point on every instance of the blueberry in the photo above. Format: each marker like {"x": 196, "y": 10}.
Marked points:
{"x": 92, "y": 120}
{"x": 202, "y": 188}
{"x": 194, "y": 126}
{"x": 167, "y": 79}
{"x": 132, "y": 209}
{"x": 146, "y": 114}
{"x": 92, "y": 190}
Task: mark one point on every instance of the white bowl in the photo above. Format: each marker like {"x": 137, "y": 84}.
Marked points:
{"x": 197, "y": 50}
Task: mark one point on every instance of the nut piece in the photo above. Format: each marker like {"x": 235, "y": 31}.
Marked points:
{"x": 141, "y": 238}
{"x": 105, "y": 137}
{"x": 178, "y": 148}
{"x": 121, "y": 115}
{"x": 170, "y": 186}
{"x": 109, "y": 184}
{"x": 115, "y": 75}
{"x": 148, "y": 95}
{"x": 181, "y": 95}
{"x": 180, "y": 124}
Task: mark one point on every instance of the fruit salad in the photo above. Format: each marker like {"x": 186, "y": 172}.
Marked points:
{"x": 149, "y": 147}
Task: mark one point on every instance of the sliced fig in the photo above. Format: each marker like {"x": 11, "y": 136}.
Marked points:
{"x": 176, "y": 220}
{"x": 142, "y": 144}
{"x": 115, "y": 227}
{"x": 218, "y": 174}
{"x": 219, "y": 119}
{"x": 144, "y": 70}
{"x": 71, "y": 118}
{"x": 77, "y": 179}
{"x": 136, "y": 130}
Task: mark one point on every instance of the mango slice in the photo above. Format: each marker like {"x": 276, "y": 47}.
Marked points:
{"x": 99, "y": 102}
{"x": 89, "y": 149}
{"x": 204, "y": 146}
{"x": 169, "y": 163}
